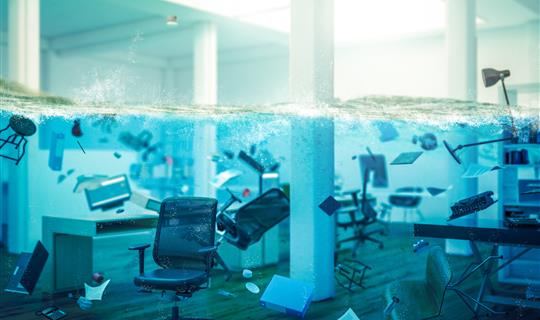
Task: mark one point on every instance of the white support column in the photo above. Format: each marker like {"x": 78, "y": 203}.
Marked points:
{"x": 23, "y": 42}
{"x": 311, "y": 61}
{"x": 24, "y": 68}
{"x": 462, "y": 70}
{"x": 205, "y": 93}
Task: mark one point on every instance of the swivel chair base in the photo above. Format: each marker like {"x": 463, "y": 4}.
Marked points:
{"x": 175, "y": 315}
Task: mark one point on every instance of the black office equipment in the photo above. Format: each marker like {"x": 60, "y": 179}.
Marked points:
{"x": 491, "y": 76}
{"x": 137, "y": 143}
{"x": 248, "y": 224}
{"x": 52, "y": 313}
{"x": 471, "y": 205}
{"x": 427, "y": 141}
{"x": 26, "y": 274}
{"x": 109, "y": 193}
{"x": 183, "y": 248}
{"x": 22, "y": 128}
{"x": 376, "y": 165}
{"x": 453, "y": 151}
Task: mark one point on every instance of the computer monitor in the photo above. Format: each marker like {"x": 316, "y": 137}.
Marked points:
{"x": 110, "y": 193}
{"x": 376, "y": 169}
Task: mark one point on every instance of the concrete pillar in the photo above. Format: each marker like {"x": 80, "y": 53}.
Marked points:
{"x": 311, "y": 61}
{"x": 462, "y": 71}
{"x": 24, "y": 68}
{"x": 205, "y": 93}
{"x": 23, "y": 42}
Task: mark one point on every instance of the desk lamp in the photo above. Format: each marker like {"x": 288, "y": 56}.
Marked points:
{"x": 453, "y": 151}
{"x": 491, "y": 76}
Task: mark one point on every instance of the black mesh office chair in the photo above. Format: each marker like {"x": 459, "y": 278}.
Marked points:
{"x": 183, "y": 248}
{"x": 248, "y": 224}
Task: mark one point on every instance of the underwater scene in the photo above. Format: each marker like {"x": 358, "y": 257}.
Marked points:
{"x": 284, "y": 159}
{"x": 104, "y": 179}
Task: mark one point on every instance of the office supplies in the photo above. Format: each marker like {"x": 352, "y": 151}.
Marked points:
{"x": 95, "y": 293}
{"x": 329, "y": 205}
{"x": 109, "y": 193}
{"x": 390, "y": 307}
{"x": 98, "y": 277}
{"x": 248, "y": 224}
{"x": 22, "y": 128}
{"x": 76, "y": 130}
{"x": 253, "y": 288}
{"x": 475, "y": 170}
{"x": 80, "y": 146}
{"x": 56, "y": 152}
{"x": 246, "y": 273}
{"x": 224, "y": 177}
{"x": 144, "y": 201}
{"x": 387, "y": 131}
{"x": 184, "y": 248}
{"x": 349, "y": 315}
{"x": 352, "y": 272}
{"x": 28, "y": 270}
{"x": 433, "y": 191}
{"x": 528, "y": 190}
{"x": 532, "y": 222}
{"x": 419, "y": 245}
{"x": 117, "y": 155}
{"x": 453, "y": 151}
{"x": 224, "y": 293}
{"x": 136, "y": 143}
{"x": 471, "y": 205}
{"x": 288, "y": 296}
{"x": 427, "y": 141}
{"x": 84, "y": 303}
{"x": 52, "y": 313}
{"x": 406, "y": 158}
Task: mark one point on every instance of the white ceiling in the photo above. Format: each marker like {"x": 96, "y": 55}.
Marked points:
{"x": 101, "y": 26}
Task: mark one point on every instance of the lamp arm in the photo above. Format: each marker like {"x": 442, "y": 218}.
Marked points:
{"x": 505, "y": 93}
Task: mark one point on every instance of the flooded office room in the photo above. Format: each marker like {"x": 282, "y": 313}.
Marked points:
{"x": 269, "y": 159}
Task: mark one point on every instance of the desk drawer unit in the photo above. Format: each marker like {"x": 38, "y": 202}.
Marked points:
{"x": 78, "y": 257}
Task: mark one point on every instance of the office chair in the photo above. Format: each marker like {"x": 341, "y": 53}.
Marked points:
{"x": 247, "y": 225}
{"x": 408, "y": 199}
{"x": 361, "y": 216}
{"x": 183, "y": 248}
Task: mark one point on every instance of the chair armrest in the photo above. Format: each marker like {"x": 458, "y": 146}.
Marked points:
{"x": 207, "y": 249}
{"x": 140, "y": 248}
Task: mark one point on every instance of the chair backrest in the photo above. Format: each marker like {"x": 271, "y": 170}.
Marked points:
{"x": 258, "y": 216}
{"x": 438, "y": 273}
{"x": 185, "y": 225}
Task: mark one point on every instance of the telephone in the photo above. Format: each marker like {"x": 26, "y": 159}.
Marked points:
{"x": 52, "y": 313}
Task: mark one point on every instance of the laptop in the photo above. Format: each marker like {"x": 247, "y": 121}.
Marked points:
{"x": 27, "y": 271}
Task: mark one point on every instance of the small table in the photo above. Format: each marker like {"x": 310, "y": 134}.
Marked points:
{"x": 495, "y": 233}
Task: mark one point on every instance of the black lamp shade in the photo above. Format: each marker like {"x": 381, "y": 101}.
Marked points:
{"x": 492, "y": 76}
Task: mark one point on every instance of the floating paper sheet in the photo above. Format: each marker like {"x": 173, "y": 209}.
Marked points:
{"x": 95, "y": 293}
{"x": 475, "y": 170}
{"x": 223, "y": 177}
{"x": 349, "y": 315}
{"x": 406, "y": 158}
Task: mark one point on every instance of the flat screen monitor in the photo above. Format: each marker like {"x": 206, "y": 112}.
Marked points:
{"x": 109, "y": 193}
{"x": 376, "y": 166}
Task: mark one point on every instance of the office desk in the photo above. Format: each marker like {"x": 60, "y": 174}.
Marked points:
{"x": 495, "y": 233}
{"x": 98, "y": 242}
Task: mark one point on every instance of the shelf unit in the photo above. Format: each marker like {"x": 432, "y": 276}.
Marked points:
{"x": 525, "y": 270}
